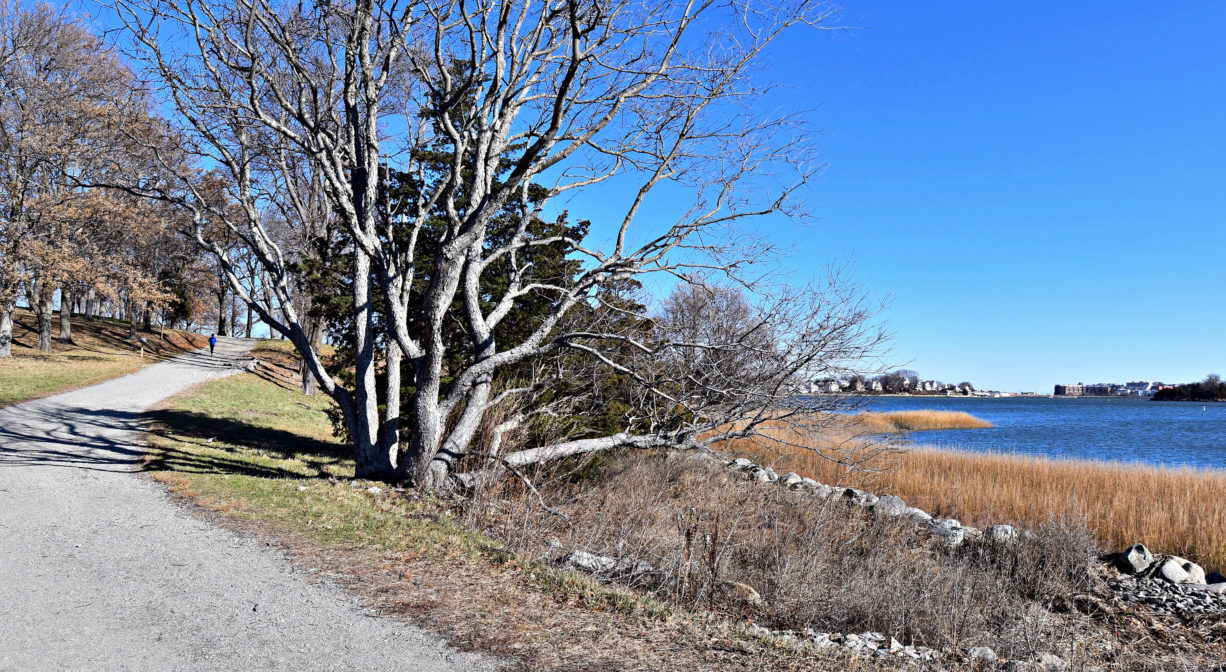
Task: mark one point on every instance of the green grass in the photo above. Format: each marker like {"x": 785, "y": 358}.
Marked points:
{"x": 253, "y": 449}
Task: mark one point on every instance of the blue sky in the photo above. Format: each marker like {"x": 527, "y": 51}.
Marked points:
{"x": 1039, "y": 188}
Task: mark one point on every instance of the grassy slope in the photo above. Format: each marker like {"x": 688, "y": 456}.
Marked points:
{"x": 100, "y": 351}
{"x": 255, "y": 451}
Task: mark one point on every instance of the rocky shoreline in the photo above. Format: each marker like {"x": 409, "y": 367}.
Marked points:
{"x": 1164, "y": 583}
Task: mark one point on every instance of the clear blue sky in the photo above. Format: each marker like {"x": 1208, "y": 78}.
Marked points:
{"x": 1040, "y": 188}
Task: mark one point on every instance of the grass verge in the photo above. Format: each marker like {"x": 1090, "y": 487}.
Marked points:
{"x": 99, "y": 351}
{"x": 255, "y": 452}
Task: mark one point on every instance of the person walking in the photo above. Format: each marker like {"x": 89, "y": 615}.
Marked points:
{"x": 212, "y": 343}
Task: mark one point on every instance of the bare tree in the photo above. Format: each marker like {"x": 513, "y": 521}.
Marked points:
{"x": 478, "y": 103}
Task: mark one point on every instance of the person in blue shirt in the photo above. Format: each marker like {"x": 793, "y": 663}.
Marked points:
{"x": 212, "y": 343}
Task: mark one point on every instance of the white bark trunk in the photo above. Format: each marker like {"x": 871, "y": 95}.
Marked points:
{"x": 6, "y": 331}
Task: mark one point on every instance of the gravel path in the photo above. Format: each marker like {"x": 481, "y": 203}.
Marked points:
{"x": 99, "y": 569}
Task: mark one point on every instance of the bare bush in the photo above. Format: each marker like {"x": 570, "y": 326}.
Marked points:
{"x": 708, "y": 537}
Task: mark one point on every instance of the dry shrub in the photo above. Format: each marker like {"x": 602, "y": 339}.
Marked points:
{"x": 815, "y": 564}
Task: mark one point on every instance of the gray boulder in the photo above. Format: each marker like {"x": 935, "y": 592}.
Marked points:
{"x": 1134, "y": 560}
{"x": 741, "y": 463}
{"x": 854, "y": 496}
{"x": 589, "y": 563}
{"x": 1000, "y": 534}
{"x": 791, "y": 479}
{"x": 889, "y": 505}
{"x": 1047, "y": 662}
{"x": 919, "y": 515}
{"x": 982, "y": 653}
{"x": 949, "y": 529}
{"x": 1172, "y": 570}
{"x": 1196, "y": 573}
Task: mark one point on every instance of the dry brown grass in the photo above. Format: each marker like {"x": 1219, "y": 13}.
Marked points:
{"x": 913, "y": 421}
{"x": 1180, "y": 511}
{"x": 100, "y": 350}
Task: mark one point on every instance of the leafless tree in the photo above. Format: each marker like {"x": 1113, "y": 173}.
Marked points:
{"x": 478, "y": 102}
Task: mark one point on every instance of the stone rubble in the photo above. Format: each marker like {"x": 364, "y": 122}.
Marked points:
{"x": 1167, "y": 584}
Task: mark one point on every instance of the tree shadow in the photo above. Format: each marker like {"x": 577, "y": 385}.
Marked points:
{"x": 203, "y": 431}
{"x": 48, "y": 435}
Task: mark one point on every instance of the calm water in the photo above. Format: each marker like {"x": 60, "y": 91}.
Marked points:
{"x": 1129, "y": 430}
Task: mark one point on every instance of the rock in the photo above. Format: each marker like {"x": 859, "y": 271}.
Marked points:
{"x": 791, "y": 479}
{"x": 1196, "y": 573}
{"x": 589, "y": 563}
{"x": 760, "y": 631}
{"x": 919, "y": 515}
{"x": 301, "y": 488}
{"x": 1000, "y": 534}
{"x": 1134, "y": 560}
{"x": 741, "y": 463}
{"x": 1172, "y": 570}
{"x": 889, "y": 505}
{"x": 895, "y": 646}
{"x": 1048, "y": 662}
{"x": 1214, "y": 577}
{"x": 854, "y": 496}
{"x": 823, "y": 491}
{"x": 949, "y": 529}
{"x": 740, "y": 593}
{"x": 972, "y": 533}
{"x": 762, "y": 475}
{"x": 982, "y": 653}
{"x": 374, "y": 489}
{"x": 874, "y": 638}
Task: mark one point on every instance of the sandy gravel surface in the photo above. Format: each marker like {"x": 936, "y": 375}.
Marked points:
{"x": 100, "y": 570}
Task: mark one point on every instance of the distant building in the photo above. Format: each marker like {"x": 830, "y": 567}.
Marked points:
{"x": 1077, "y": 390}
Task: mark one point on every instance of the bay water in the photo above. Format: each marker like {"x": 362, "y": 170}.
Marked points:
{"x": 1098, "y": 428}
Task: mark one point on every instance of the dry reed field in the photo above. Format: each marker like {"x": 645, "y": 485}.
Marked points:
{"x": 912, "y": 421}
{"x": 1179, "y": 511}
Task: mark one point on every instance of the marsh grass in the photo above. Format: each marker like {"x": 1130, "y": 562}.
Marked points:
{"x": 913, "y": 421}
{"x": 99, "y": 351}
{"x": 1172, "y": 510}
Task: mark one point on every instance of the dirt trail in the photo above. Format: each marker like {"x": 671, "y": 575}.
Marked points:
{"x": 99, "y": 569}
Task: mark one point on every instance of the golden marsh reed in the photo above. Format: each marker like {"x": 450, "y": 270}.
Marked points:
{"x": 1180, "y": 511}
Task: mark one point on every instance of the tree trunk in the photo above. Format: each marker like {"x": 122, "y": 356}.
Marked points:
{"x": 371, "y": 461}
{"x": 133, "y": 316}
{"x": 222, "y": 311}
{"x": 315, "y": 329}
{"x": 91, "y": 303}
{"x": 6, "y": 330}
{"x": 41, "y": 302}
{"x": 248, "y": 321}
{"x": 66, "y": 299}
{"x": 389, "y": 437}
{"x": 148, "y": 321}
